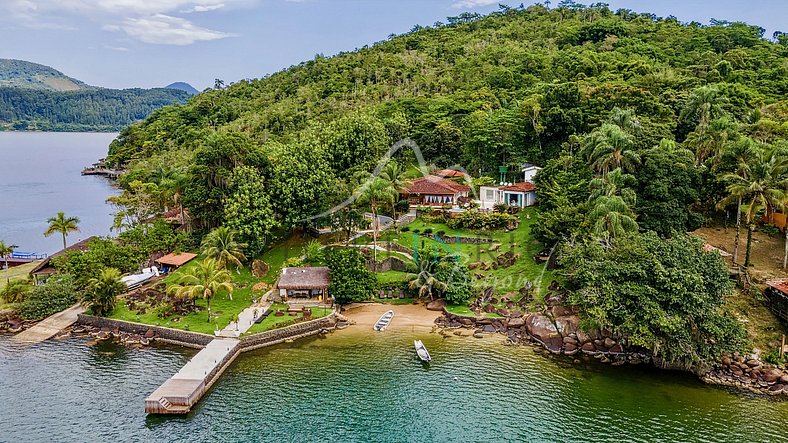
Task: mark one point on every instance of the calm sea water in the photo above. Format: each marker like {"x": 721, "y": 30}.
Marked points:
{"x": 40, "y": 175}
{"x": 354, "y": 386}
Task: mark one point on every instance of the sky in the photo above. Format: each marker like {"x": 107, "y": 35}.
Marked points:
{"x": 151, "y": 43}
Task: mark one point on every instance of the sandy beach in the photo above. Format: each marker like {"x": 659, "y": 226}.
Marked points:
{"x": 406, "y": 317}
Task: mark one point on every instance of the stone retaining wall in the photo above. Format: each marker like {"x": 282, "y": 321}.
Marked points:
{"x": 175, "y": 336}
{"x": 448, "y": 239}
{"x": 276, "y": 336}
{"x": 391, "y": 263}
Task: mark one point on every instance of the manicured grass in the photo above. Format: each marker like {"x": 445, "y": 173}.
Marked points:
{"x": 222, "y": 308}
{"x": 273, "y": 322}
{"x": 518, "y": 241}
{"x": 393, "y": 276}
{"x": 465, "y": 311}
{"x": 279, "y": 253}
{"x": 16, "y": 273}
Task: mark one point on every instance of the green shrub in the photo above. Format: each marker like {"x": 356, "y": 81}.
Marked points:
{"x": 477, "y": 220}
{"x": 428, "y": 230}
{"x": 773, "y": 357}
{"x": 440, "y": 233}
{"x": 770, "y": 230}
{"x": 416, "y": 231}
{"x": 57, "y": 294}
{"x": 404, "y": 229}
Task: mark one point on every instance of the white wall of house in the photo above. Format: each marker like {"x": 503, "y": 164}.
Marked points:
{"x": 530, "y": 172}
{"x": 489, "y": 196}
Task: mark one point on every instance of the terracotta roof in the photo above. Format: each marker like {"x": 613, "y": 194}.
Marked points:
{"x": 520, "y": 187}
{"x": 305, "y": 278}
{"x": 449, "y": 173}
{"x": 432, "y": 184}
{"x": 780, "y": 284}
{"x": 176, "y": 259}
{"x": 45, "y": 268}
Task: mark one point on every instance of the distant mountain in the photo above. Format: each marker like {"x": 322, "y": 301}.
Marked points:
{"x": 23, "y": 74}
{"x": 37, "y": 97}
{"x": 183, "y": 86}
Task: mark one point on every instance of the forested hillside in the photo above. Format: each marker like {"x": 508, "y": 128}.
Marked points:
{"x": 92, "y": 109}
{"x": 24, "y": 74}
{"x": 514, "y": 86}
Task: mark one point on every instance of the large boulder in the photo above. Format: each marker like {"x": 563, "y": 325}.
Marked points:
{"x": 436, "y": 305}
{"x": 543, "y": 330}
{"x": 567, "y": 325}
{"x": 516, "y": 322}
{"x": 772, "y": 374}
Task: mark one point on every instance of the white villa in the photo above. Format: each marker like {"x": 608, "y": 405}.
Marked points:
{"x": 513, "y": 194}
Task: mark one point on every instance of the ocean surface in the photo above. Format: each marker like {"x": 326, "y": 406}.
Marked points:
{"x": 355, "y": 386}
{"x": 40, "y": 175}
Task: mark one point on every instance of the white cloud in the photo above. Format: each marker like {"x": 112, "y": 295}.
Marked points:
{"x": 149, "y": 21}
{"x": 474, "y": 3}
{"x": 163, "y": 29}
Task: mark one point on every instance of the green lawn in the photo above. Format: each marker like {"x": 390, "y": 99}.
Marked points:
{"x": 393, "y": 276}
{"x": 273, "y": 322}
{"x": 505, "y": 280}
{"x": 465, "y": 311}
{"x": 16, "y": 273}
{"x": 222, "y": 308}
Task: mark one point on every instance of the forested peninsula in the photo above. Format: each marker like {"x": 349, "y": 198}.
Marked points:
{"x": 646, "y": 128}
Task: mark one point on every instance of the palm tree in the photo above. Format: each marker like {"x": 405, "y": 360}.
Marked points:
{"x": 174, "y": 183}
{"x": 616, "y": 183}
{"x": 760, "y": 184}
{"x": 376, "y": 193}
{"x": 626, "y": 120}
{"x": 708, "y": 141}
{"x": 205, "y": 280}
{"x": 396, "y": 176}
{"x": 102, "y": 292}
{"x": 609, "y": 147}
{"x": 425, "y": 282}
{"x": 703, "y": 106}
{"x": 735, "y": 158}
{"x": 62, "y": 225}
{"x": 6, "y": 251}
{"x": 221, "y": 246}
{"x": 612, "y": 217}
{"x": 15, "y": 291}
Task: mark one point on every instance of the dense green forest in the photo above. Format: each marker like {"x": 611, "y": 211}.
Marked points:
{"x": 647, "y": 128}
{"x": 82, "y": 110}
{"x": 24, "y": 74}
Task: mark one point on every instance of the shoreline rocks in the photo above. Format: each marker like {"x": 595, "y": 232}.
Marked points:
{"x": 560, "y": 335}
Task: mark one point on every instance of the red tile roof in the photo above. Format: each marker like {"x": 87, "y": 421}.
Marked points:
{"x": 450, "y": 173}
{"x": 520, "y": 187}
{"x": 780, "y": 284}
{"x": 435, "y": 185}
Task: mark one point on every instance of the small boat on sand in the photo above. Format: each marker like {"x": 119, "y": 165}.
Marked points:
{"x": 421, "y": 350}
{"x": 383, "y": 321}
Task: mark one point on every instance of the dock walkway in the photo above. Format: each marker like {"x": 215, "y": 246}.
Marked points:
{"x": 178, "y": 394}
{"x": 50, "y": 326}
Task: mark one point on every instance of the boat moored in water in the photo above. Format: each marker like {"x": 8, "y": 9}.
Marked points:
{"x": 421, "y": 351}
{"x": 383, "y": 321}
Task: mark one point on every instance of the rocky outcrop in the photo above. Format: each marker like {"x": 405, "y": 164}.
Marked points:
{"x": 748, "y": 373}
{"x": 436, "y": 305}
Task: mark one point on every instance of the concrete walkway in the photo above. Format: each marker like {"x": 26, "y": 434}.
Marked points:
{"x": 50, "y": 326}
{"x": 245, "y": 320}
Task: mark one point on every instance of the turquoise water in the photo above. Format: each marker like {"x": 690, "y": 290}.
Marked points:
{"x": 354, "y": 386}
{"x": 40, "y": 175}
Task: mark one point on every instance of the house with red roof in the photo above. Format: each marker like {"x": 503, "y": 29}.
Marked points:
{"x": 520, "y": 194}
{"x": 433, "y": 190}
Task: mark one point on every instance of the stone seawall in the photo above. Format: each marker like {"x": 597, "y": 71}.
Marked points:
{"x": 167, "y": 335}
{"x": 293, "y": 332}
